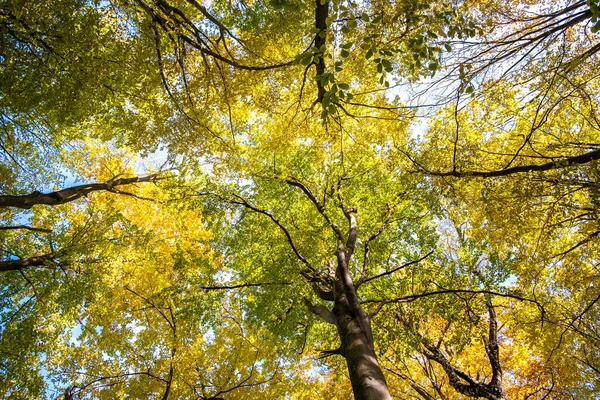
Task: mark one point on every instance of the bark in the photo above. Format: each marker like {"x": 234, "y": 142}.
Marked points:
{"x": 562, "y": 163}
{"x": 462, "y": 382}
{"x": 69, "y": 194}
{"x": 354, "y": 329}
{"x": 350, "y": 319}
{"x": 367, "y": 379}
{"x": 321, "y": 13}
{"x": 22, "y": 263}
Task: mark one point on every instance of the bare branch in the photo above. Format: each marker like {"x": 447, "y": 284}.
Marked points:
{"x": 413, "y": 297}
{"x": 395, "y": 269}
{"x": 563, "y": 162}
{"x": 242, "y": 285}
{"x": 70, "y": 194}
{"x": 321, "y": 311}
{"x": 320, "y": 207}
{"x": 326, "y": 295}
{"x": 492, "y": 349}
{"x": 243, "y": 202}
{"x": 321, "y": 14}
{"x": 29, "y": 228}
{"x": 16, "y": 265}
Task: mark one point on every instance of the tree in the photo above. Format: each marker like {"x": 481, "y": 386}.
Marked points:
{"x": 303, "y": 192}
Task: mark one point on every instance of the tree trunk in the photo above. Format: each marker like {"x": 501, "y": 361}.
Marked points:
{"x": 367, "y": 379}
{"x": 354, "y": 329}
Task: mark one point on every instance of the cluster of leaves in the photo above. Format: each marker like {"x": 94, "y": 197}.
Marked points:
{"x": 595, "y": 14}
{"x": 195, "y": 285}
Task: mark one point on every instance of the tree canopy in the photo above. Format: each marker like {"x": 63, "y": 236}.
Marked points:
{"x": 299, "y": 199}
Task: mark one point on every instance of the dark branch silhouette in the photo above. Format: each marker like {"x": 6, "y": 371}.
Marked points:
{"x": 563, "y": 162}
{"x": 67, "y": 195}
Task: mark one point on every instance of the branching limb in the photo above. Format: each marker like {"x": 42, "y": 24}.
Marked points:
{"x": 374, "y": 236}
{"x": 22, "y": 263}
{"x": 326, "y": 295}
{"x": 473, "y": 388}
{"x": 239, "y": 200}
{"x": 562, "y": 162}
{"x": 352, "y": 231}
{"x": 27, "y": 227}
{"x": 243, "y": 202}
{"x": 579, "y": 244}
{"x": 462, "y": 382}
{"x": 395, "y": 269}
{"x": 329, "y": 353}
{"x": 70, "y": 194}
{"x": 492, "y": 349}
{"x": 413, "y": 297}
{"x": 321, "y": 311}
{"x": 321, "y": 14}
{"x": 242, "y": 285}
{"x": 320, "y": 207}
{"x": 169, "y": 18}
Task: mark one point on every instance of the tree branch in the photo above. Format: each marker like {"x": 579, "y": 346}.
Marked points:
{"x": 29, "y": 228}
{"x": 473, "y": 388}
{"x": 321, "y": 14}
{"x": 413, "y": 297}
{"x": 395, "y": 269}
{"x": 242, "y": 285}
{"x": 321, "y": 311}
{"x": 559, "y": 164}
{"x": 16, "y": 265}
{"x": 320, "y": 207}
{"x": 69, "y": 194}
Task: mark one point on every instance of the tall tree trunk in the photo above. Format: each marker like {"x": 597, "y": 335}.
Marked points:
{"x": 367, "y": 379}
{"x": 354, "y": 328}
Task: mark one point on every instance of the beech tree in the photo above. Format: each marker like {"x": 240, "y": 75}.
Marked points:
{"x": 299, "y": 199}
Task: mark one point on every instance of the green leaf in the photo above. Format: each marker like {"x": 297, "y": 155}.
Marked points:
{"x": 306, "y": 60}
